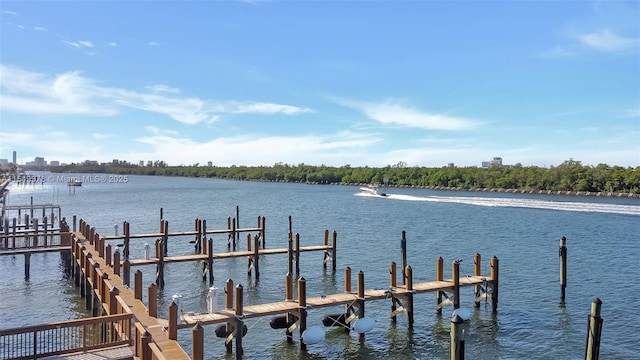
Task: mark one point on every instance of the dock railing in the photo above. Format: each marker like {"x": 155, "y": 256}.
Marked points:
{"x": 65, "y": 337}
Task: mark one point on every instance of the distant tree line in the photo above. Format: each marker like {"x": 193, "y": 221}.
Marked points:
{"x": 571, "y": 175}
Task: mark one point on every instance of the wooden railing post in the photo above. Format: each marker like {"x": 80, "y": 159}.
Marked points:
{"x": 197, "y": 342}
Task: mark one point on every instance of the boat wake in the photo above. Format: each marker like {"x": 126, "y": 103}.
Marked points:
{"x": 520, "y": 203}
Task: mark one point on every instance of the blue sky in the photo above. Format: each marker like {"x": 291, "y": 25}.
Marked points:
{"x": 324, "y": 82}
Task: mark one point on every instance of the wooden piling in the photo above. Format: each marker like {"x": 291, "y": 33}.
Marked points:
{"x": 334, "y": 250}
{"x": 256, "y": 257}
{"x": 302, "y": 309}
{"x": 145, "y": 340}
{"x": 409, "y": 287}
{"x": 210, "y": 261}
{"x": 173, "y": 321}
{"x": 457, "y": 339}
{"x": 27, "y": 265}
{"x": 263, "y": 232}
{"x": 116, "y": 263}
{"x": 325, "y": 255}
{"x": 126, "y": 272}
{"x": 477, "y": 271}
{"x": 403, "y": 247}
{"x": 361, "y": 299}
{"x": 125, "y": 231}
{"x": 137, "y": 284}
{"x": 455, "y": 274}
{"x": 494, "y": 284}
{"x": 288, "y": 287}
{"x": 393, "y": 284}
{"x": 228, "y": 300}
{"x": 290, "y": 254}
{"x": 197, "y": 342}
{"x": 239, "y": 323}
{"x": 594, "y": 331}
{"x": 198, "y": 236}
{"x": 563, "y": 268}
{"x": 297, "y": 255}
{"x": 152, "y": 308}
{"x": 347, "y": 279}
{"x": 439, "y": 277}
{"x": 113, "y": 302}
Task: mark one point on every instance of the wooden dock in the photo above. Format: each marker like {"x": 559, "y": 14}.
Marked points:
{"x": 110, "y": 290}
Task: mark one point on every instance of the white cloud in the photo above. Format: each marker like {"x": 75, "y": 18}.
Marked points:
{"x": 393, "y": 113}
{"x": 101, "y": 136}
{"x": 153, "y": 43}
{"x": 12, "y": 13}
{"x": 71, "y": 93}
{"x": 40, "y": 28}
{"x": 606, "y": 40}
{"x": 270, "y": 108}
{"x": 112, "y": 44}
{"x": 337, "y": 149}
{"x": 79, "y": 44}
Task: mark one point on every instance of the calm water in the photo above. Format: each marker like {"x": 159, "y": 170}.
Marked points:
{"x": 523, "y": 231}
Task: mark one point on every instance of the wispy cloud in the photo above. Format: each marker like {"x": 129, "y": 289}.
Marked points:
{"x": 79, "y": 44}
{"x": 607, "y": 40}
{"x": 71, "y": 93}
{"x": 112, "y": 44}
{"x": 392, "y": 112}
{"x": 101, "y": 136}
{"x": 153, "y": 43}
{"x": 337, "y": 148}
{"x": 12, "y": 13}
{"x": 557, "y": 52}
{"x": 40, "y": 28}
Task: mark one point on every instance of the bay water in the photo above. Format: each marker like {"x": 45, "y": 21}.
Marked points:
{"x": 522, "y": 230}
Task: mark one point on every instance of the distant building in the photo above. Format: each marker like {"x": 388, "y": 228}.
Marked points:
{"x": 54, "y": 163}
{"x": 15, "y": 158}
{"x": 141, "y": 163}
{"x": 496, "y": 161}
{"x": 451, "y": 165}
{"x": 115, "y": 162}
{"x": 485, "y": 164}
{"x": 150, "y": 163}
{"x": 4, "y": 162}
{"x": 90, "y": 162}
{"x": 39, "y": 161}
{"x": 209, "y": 163}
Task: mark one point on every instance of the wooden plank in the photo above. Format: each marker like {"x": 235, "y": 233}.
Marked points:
{"x": 35, "y": 250}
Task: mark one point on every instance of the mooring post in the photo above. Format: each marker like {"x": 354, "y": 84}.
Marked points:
{"x": 137, "y": 284}
{"x": 196, "y": 241}
{"x": 45, "y": 224}
{"x": 256, "y": 264}
{"x": 457, "y": 338}
{"x": 160, "y": 265}
{"x": 455, "y": 274}
{"x": 263, "y": 232}
{"x": 27, "y": 265}
{"x": 233, "y": 233}
{"x": 161, "y": 214}
{"x": 594, "y": 331}
{"x": 165, "y": 239}
{"x": 439, "y": 277}
{"x": 197, "y": 342}
{"x": 563, "y": 267}
{"x": 239, "y": 323}
{"x": 288, "y": 296}
{"x": 494, "y": 284}
{"x": 409, "y": 287}
{"x": 403, "y": 247}
{"x": 202, "y": 241}
{"x": 347, "y": 289}
{"x": 153, "y": 300}
{"x": 125, "y": 230}
{"x": 113, "y": 302}
{"x": 173, "y": 321}
{"x": 477, "y": 269}
{"x": 210, "y": 261}
{"x": 74, "y": 223}
{"x": 325, "y": 255}
{"x": 36, "y": 238}
{"x": 107, "y": 255}
{"x": 302, "y": 309}
{"x": 126, "y": 272}
{"x": 361, "y": 300}
{"x": 116, "y": 262}
{"x": 334, "y": 250}
{"x": 290, "y": 254}
{"x": 297, "y": 255}
{"x": 238, "y": 220}
{"x": 392, "y": 285}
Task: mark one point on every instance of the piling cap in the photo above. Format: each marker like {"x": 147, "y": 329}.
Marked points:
{"x": 457, "y": 320}
{"x": 597, "y": 301}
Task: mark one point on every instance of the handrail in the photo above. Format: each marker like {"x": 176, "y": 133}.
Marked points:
{"x": 65, "y": 336}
